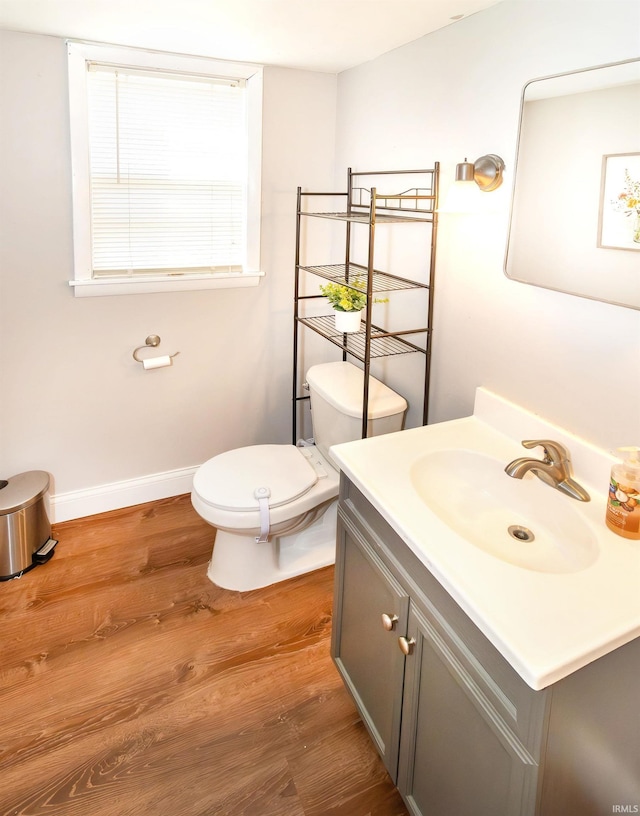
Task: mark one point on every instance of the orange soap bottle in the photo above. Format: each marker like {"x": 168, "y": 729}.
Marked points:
{"x": 623, "y": 503}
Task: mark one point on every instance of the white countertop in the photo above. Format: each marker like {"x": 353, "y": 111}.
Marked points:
{"x": 547, "y": 625}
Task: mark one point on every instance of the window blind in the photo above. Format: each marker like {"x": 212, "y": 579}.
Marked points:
{"x": 168, "y": 168}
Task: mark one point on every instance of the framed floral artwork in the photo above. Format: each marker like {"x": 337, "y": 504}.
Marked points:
{"x": 619, "y": 223}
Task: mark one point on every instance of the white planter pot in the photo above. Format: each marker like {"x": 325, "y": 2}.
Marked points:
{"x": 347, "y": 322}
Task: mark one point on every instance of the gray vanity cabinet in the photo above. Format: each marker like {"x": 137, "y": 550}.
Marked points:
{"x": 457, "y": 755}
{"x": 458, "y": 729}
{"x": 373, "y": 609}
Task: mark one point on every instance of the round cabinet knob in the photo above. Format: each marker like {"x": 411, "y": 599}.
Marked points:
{"x": 388, "y": 621}
{"x": 406, "y": 646}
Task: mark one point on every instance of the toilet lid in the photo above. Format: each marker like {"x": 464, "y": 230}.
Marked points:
{"x": 229, "y": 480}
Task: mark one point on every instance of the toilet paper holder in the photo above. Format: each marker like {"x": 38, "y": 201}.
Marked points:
{"x": 152, "y": 341}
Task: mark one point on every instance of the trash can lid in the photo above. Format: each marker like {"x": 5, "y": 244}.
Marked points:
{"x": 22, "y": 490}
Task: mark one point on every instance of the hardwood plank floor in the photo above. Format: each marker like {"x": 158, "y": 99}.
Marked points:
{"x": 130, "y": 684}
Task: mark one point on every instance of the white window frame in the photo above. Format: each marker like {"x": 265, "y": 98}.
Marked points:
{"x": 83, "y": 282}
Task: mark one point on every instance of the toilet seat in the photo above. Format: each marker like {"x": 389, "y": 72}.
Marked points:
{"x": 304, "y": 473}
{"x": 232, "y": 478}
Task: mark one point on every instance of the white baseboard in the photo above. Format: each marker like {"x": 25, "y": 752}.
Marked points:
{"x": 101, "y": 499}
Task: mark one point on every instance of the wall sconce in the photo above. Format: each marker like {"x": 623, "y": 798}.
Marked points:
{"x": 463, "y": 195}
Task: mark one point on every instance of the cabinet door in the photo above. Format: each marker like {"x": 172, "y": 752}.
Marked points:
{"x": 457, "y": 756}
{"x": 364, "y": 644}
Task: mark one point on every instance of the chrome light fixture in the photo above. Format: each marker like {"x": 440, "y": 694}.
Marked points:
{"x": 464, "y": 195}
{"x": 486, "y": 172}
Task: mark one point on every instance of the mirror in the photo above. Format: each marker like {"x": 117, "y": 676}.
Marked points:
{"x": 575, "y": 215}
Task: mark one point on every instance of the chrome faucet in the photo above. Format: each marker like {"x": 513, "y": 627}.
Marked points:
{"x": 554, "y": 469}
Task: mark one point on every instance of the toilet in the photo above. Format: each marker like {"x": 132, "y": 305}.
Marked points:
{"x": 274, "y": 506}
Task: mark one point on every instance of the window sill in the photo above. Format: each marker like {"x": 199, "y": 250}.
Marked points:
{"x": 100, "y": 287}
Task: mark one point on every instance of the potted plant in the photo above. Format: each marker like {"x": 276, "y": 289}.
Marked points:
{"x": 347, "y": 303}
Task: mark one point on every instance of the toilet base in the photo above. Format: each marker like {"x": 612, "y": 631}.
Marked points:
{"x": 241, "y": 563}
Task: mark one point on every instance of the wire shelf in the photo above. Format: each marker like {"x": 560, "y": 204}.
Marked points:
{"x": 369, "y": 206}
{"x": 364, "y": 218}
{"x": 382, "y": 281}
{"x": 382, "y": 344}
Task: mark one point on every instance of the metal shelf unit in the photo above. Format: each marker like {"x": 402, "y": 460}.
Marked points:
{"x": 369, "y": 207}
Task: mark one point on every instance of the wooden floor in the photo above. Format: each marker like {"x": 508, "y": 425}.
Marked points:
{"x": 130, "y": 684}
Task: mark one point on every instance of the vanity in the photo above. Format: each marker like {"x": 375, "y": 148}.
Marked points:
{"x": 496, "y": 675}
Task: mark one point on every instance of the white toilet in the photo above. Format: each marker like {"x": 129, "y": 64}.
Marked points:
{"x": 274, "y": 506}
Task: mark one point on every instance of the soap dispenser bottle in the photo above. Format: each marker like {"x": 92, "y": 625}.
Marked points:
{"x": 623, "y": 503}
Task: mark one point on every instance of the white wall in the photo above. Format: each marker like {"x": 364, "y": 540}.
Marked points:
{"x": 73, "y": 402}
{"x": 455, "y": 94}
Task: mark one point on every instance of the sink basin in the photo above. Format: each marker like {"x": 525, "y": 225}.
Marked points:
{"x": 523, "y": 522}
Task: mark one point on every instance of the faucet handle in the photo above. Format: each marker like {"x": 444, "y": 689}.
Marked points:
{"x": 554, "y": 452}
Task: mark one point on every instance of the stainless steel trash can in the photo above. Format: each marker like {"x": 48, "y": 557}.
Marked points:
{"x": 25, "y": 528}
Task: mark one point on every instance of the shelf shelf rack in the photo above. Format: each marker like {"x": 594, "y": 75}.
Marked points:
{"x": 368, "y": 206}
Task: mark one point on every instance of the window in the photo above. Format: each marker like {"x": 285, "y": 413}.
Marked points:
{"x": 166, "y": 171}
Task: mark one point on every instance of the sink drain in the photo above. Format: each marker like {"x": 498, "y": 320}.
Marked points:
{"x": 520, "y": 533}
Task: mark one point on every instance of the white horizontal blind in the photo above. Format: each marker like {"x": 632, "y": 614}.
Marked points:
{"x": 168, "y": 156}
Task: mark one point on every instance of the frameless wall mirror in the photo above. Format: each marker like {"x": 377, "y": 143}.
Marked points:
{"x": 575, "y": 215}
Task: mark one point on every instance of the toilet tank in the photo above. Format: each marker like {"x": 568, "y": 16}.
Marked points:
{"x": 336, "y": 391}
